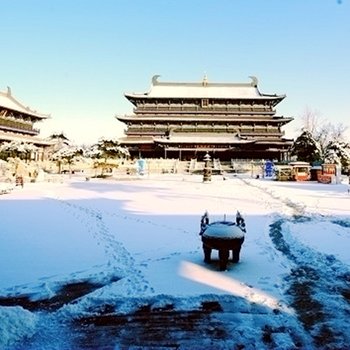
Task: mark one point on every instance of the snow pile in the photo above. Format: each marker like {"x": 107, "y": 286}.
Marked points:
{"x": 5, "y": 187}
{"x": 15, "y": 325}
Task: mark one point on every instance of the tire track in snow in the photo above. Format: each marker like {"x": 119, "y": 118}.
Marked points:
{"x": 319, "y": 284}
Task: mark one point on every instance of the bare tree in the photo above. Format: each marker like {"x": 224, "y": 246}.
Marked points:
{"x": 321, "y": 129}
{"x": 311, "y": 119}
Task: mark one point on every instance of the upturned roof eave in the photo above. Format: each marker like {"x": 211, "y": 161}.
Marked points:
{"x": 134, "y": 117}
{"x": 11, "y": 103}
{"x": 6, "y": 136}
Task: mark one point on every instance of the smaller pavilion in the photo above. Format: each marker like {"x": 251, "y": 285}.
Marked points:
{"x": 17, "y": 123}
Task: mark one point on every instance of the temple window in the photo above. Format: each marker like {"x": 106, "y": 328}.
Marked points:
{"x": 205, "y": 102}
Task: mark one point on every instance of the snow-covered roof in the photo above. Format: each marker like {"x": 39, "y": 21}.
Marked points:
{"x": 300, "y": 164}
{"x": 204, "y": 89}
{"x": 270, "y": 142}
{"x": 205, "y": 118}
{"x": 8, "y": 136}
{"x": 139, "y": 140}
{"x": 9, "y": 102}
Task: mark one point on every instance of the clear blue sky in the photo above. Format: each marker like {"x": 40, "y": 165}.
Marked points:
{"x": 75, "y": 59}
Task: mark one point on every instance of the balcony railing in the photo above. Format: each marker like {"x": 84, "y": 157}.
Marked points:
{"x": 203, "y": 110}
{"x": 249, "y": 132}
{"x": 17, "y": 126}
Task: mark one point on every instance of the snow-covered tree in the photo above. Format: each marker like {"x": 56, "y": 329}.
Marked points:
{"x": 111, "y": 149}
{"x": 105, "y": 150}
{"x": 322, "y": 130}
{"x": 323, "y": 133}
{"x": 19, "y": 149}
{"x": 306, "y": 148}
{"x": 60, "y": 136}
{"x": 66, "y": 155}
{"x": 60, "y": 141}
{"x": 338, "y": 153}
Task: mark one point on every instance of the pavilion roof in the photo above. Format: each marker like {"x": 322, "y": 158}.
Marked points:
{"x": 204, "y": 89}
{"x": 282, "y": 141}
{"x": 9, "y": 136}
{"x": 136, "y": 139}
{"x": 8, "y": 101}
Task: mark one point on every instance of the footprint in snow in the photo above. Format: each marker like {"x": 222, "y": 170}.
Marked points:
{"x": 264, "y": 280}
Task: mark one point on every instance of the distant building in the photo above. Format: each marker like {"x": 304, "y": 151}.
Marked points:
{"x": 186, "y": 120}
{"x": 17, "y": 123}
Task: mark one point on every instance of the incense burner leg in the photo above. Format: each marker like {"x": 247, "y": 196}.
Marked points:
{"x": 223, "y": 256}
{"x": 207, "y": 254}
{"x": 235, "y": 254}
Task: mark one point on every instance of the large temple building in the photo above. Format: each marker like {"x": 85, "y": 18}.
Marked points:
{"x": 17, "y": 123}
{"x": 187, "y": 120}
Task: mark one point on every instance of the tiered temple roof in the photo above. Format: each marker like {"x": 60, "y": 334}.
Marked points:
{"x": 17, "y": 120}
{"x": 221, "y": 117}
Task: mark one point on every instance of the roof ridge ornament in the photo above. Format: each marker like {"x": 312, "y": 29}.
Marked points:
{"x": 155, "y": 79}
{"x": 9, "y": 91}
{"x": 254, "y": 81}
{"x": 205, "y": 80}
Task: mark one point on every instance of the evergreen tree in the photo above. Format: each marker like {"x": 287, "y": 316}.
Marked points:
{"x": 20, "y": 149}
{"x": 59, "y": 141}
{"x": 306, "y": 148}
{"x": 66, "y": 155}
{"x": 106, "y": 149}
{"x": 61, "y": 136}
{"x": 338, "y": 153}
{"x": 323, "y": 131}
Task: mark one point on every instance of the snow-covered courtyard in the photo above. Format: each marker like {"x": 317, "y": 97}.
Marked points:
{"x": 132, "y": 245}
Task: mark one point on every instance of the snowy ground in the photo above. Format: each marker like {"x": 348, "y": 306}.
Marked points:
{"x": 134, "y": 243}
